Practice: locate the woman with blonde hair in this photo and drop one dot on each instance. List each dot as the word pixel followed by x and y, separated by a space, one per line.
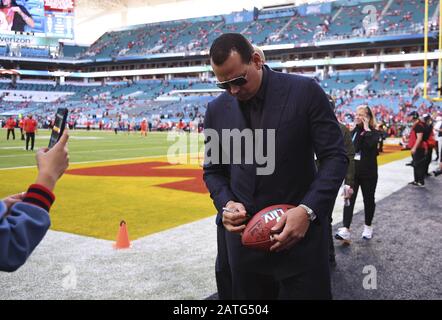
pixel 365 139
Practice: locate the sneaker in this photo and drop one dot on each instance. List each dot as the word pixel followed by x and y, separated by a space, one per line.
pixel 367 233
pixel 416 184
pixel 343 234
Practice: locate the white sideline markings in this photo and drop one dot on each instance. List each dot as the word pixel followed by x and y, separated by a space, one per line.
pixel 98 161
pixel 87 151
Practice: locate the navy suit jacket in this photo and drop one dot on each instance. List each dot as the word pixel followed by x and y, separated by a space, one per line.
pixel 298 109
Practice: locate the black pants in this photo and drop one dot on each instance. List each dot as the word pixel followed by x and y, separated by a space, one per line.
pixel 313 284
pixel 437 150
pixel 30 136
pixel 428 160
pixel 368 186
pixel 419 165
pixel 222 267
pixel 9 132
pixel 22 135
pixel 331 245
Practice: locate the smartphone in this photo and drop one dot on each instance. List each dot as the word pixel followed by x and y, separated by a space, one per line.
pixel 59 125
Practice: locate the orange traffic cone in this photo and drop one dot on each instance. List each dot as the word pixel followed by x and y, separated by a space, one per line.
pixel 122 237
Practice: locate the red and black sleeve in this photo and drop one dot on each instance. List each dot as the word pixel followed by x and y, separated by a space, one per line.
pixel 39 196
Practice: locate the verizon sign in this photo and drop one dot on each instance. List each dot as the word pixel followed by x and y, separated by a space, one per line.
pixel 59 5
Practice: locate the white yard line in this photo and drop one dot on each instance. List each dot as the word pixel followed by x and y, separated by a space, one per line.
pixel 98 161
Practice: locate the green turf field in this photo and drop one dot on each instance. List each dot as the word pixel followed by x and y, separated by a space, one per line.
pixel 86 146
pixel 94 205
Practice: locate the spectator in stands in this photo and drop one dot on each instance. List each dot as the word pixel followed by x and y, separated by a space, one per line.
pixel 365 139
pixel 10 126
pixel 16 15
pixel 30 128
pixel 24 217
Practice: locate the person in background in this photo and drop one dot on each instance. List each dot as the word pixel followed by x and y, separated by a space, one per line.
pixel 10 126
pixel 24 217
pixel 382 136
pixel 438 171
pixel 438 135
pixel 348 182
pixel 115 126
pixel 21 124
pixel 30 127
pixel 260 52
pixel 430 142
pixel 143 127
pixel 365 140
pixel 416 143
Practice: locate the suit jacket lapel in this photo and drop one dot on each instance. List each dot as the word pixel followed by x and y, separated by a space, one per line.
pixel 236 116
pixel 275 101
pixel 274 105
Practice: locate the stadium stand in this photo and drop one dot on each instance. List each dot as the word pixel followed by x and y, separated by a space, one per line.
pixel 184 35
pixel 390 90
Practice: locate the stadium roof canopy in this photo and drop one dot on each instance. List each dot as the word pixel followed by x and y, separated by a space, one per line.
pixel 87 5
pixel 94 17
pixel 118 4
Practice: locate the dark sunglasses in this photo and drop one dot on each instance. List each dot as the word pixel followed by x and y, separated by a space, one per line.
pixel 238 82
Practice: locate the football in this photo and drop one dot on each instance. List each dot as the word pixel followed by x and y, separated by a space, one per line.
pixel 257 232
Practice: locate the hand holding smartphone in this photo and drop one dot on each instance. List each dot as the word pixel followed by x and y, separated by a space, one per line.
pixel 59 125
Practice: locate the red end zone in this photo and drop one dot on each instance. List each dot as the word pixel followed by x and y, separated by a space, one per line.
pixel 150 169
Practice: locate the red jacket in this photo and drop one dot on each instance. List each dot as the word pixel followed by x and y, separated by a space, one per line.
pixel 30 125
pixel 10 124
pixel 413 136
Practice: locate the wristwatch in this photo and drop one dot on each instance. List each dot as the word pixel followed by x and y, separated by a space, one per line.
pixel 310 213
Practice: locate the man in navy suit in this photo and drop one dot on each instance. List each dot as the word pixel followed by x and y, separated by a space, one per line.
pixel 297 109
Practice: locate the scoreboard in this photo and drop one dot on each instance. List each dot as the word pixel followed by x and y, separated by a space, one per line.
pixel 52 19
